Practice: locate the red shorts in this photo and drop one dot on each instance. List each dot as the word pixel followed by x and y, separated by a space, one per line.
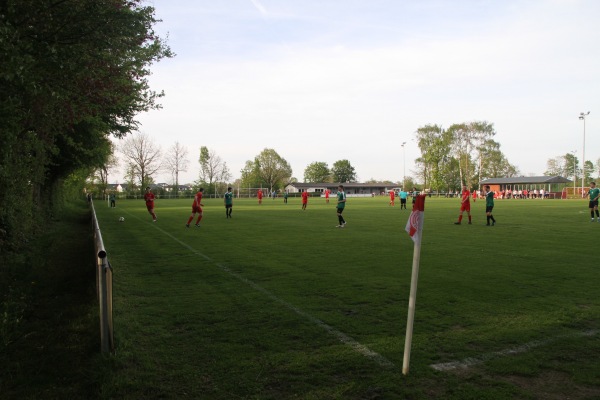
pixel 150 206
pixel 196 209
pixel 465 206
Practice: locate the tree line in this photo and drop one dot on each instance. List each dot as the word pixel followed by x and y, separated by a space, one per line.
pixel 464 153
pixel 73 73
pixel 143 160
pixel 568 166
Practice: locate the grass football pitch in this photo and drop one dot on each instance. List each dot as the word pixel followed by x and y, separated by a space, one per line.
pixel 278 303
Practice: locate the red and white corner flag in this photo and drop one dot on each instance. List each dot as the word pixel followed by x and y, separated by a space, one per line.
pixel 414 227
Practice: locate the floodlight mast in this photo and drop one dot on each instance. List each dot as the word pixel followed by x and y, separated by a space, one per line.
pixel 582 116
pixel 574 172
pixel 404 171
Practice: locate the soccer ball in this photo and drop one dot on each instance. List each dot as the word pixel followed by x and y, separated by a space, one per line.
pixel 121 219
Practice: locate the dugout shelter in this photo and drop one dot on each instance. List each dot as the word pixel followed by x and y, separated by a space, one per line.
pixel 552 185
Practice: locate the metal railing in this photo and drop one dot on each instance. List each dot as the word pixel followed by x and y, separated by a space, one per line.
pixel 103 288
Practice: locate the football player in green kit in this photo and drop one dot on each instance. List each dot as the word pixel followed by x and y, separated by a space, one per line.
pixel 228 201
pixel 594 193
pixel 341 203
pixel 489 205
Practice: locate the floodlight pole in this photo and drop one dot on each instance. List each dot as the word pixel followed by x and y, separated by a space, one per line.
pixel 404 171
pixel 574 172
pixel 582 117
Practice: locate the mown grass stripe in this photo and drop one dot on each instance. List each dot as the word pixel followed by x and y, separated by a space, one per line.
pixel 341 336
pixel 472 361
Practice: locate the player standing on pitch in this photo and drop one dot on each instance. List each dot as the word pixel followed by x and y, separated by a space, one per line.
pixel 149 198
pixel 594 193
pixel 489 205
pixel 196 208
pixel 403 195
pixel 341 203
pixel 228 200
pixel 465 205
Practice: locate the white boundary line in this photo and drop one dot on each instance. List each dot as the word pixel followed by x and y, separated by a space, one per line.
pixel 471 361
pixel 341 336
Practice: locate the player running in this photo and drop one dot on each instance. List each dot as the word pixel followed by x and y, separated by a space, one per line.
pixel 465 205
pixel 305 196
pixel 392 198
pixel 149 198
pixel 196 208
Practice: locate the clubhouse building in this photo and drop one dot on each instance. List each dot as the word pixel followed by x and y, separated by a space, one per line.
pixel 352 189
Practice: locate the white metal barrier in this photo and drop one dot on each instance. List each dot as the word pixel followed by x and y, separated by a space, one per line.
pixel 103 288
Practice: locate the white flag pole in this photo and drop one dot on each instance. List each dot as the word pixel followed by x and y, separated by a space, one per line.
pixel 414 227
pixel 411 307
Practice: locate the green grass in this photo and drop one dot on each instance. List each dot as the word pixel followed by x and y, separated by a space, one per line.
pixel 276 303
pixel 253 307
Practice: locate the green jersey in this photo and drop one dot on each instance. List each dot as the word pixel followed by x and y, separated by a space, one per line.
pixel 594 193
pixel 489 199
pixel 228 198
pixel 341 197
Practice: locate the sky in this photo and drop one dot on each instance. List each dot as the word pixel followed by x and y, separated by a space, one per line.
pixel 328 80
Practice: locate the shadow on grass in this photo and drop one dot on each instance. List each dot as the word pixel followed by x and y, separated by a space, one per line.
pixel 50 351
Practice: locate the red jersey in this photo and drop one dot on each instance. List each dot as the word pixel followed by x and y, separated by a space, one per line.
pixel 197 200
pixel 305 197
pixel 149 197
pixel 327 194
pixel 260 194
pixel 465 204
pixel 392 194
pixel 466 196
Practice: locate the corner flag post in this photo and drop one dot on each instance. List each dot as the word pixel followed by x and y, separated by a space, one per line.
pixel 414 227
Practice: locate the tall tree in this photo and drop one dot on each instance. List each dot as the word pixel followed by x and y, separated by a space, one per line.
pixel 462 145
pixel 469 141
pixel 556 167
pixel 249 175
pixel 343 172
pixel 317 171
pixel 143 156
pixel 483 132
pixel 589 170
pixel 566 165
pixel 130 178
pixel 272 169
pixel 176 161
pixel 435 146
pixel 102 173
pixel 212 168
pixel 493 163
pixel 569 166
pixel 73 72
